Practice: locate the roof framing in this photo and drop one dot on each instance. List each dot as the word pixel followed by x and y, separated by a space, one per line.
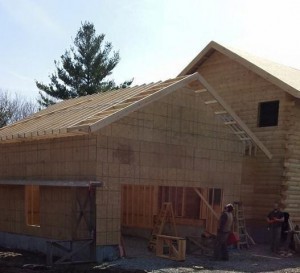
pixel 231 119
pixel 89 114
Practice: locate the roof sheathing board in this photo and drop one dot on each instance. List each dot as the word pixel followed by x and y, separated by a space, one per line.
pixel 285 77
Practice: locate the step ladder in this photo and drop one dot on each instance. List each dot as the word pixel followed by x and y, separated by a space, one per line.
pixel 240 226
pixel 165 215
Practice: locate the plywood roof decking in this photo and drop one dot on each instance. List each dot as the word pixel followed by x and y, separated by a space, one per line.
pixel 285 77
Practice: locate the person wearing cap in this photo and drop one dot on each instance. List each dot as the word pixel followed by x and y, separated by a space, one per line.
pixel 224 228
pixel 275 219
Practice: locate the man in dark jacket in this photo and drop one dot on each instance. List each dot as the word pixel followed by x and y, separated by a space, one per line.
pixel 224 228
pixel 275 219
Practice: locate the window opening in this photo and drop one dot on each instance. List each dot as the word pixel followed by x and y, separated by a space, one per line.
pixel 32 205
pixel 268 113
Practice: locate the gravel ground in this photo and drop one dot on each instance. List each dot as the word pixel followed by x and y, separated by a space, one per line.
pixel 255 259
pixel 138 259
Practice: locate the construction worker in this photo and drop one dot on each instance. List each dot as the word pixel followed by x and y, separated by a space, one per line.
pixel 275 219
pixel 224 228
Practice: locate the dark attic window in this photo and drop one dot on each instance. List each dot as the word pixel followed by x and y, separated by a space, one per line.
pixel 268 113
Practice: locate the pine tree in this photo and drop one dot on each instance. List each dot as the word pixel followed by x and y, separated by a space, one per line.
pixel 83 69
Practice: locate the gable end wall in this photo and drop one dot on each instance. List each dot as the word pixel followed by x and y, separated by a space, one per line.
pixel 175 141
pixel 243 90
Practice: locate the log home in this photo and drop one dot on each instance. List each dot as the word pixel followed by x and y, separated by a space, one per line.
pixel 77 172
pixel 265 95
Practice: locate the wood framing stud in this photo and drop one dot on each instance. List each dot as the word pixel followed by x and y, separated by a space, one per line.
pixel 220 112
pixel 200 91
pixel 230 122
pixel 245 138
pixel 171 247
pixel 206 203
pixel 210 102
pixel 239 132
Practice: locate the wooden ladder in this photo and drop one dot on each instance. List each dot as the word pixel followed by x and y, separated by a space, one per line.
pixel 165 215
pixel 211 98
pixel 240 226
pixel 230 120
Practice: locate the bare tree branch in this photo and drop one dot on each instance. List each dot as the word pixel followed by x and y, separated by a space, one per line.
pixel 14 108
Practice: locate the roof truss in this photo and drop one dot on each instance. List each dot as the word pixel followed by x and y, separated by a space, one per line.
pixel 95 112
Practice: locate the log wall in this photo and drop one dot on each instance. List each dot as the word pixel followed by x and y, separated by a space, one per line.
pixel 291 180
pixel 243 90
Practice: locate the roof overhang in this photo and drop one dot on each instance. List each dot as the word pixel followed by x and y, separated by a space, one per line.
pixel 133 100
pixel 239 128
pixel 51 183
pixel 194 65
pixel 93 117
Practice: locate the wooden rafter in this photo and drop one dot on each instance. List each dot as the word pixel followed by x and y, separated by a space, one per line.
pixel 235 119
pixel 159 93
pixel 86 115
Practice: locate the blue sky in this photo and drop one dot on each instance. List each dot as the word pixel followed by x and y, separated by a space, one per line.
pixel 156 38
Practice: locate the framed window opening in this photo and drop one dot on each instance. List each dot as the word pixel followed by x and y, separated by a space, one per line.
pixel 32 205
pixel 187 204
pixel 141 205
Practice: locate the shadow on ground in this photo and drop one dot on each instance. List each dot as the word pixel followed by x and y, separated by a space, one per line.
pixel 138 259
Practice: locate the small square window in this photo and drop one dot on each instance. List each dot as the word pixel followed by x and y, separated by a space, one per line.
pixel 268 113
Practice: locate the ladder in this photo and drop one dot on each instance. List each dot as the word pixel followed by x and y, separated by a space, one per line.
pixel 165 215
pixel 226 114
pixel 240 226
pixel 249 146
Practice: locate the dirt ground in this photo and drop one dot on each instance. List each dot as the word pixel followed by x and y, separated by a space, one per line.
pixel 138 259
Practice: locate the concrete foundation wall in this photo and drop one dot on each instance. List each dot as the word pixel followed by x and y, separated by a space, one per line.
pixel 20 241
pixel 39 245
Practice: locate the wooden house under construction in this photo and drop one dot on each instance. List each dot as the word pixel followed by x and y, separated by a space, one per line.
pixel 226 129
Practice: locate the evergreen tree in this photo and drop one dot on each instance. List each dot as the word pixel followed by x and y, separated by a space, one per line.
pixel 83 69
